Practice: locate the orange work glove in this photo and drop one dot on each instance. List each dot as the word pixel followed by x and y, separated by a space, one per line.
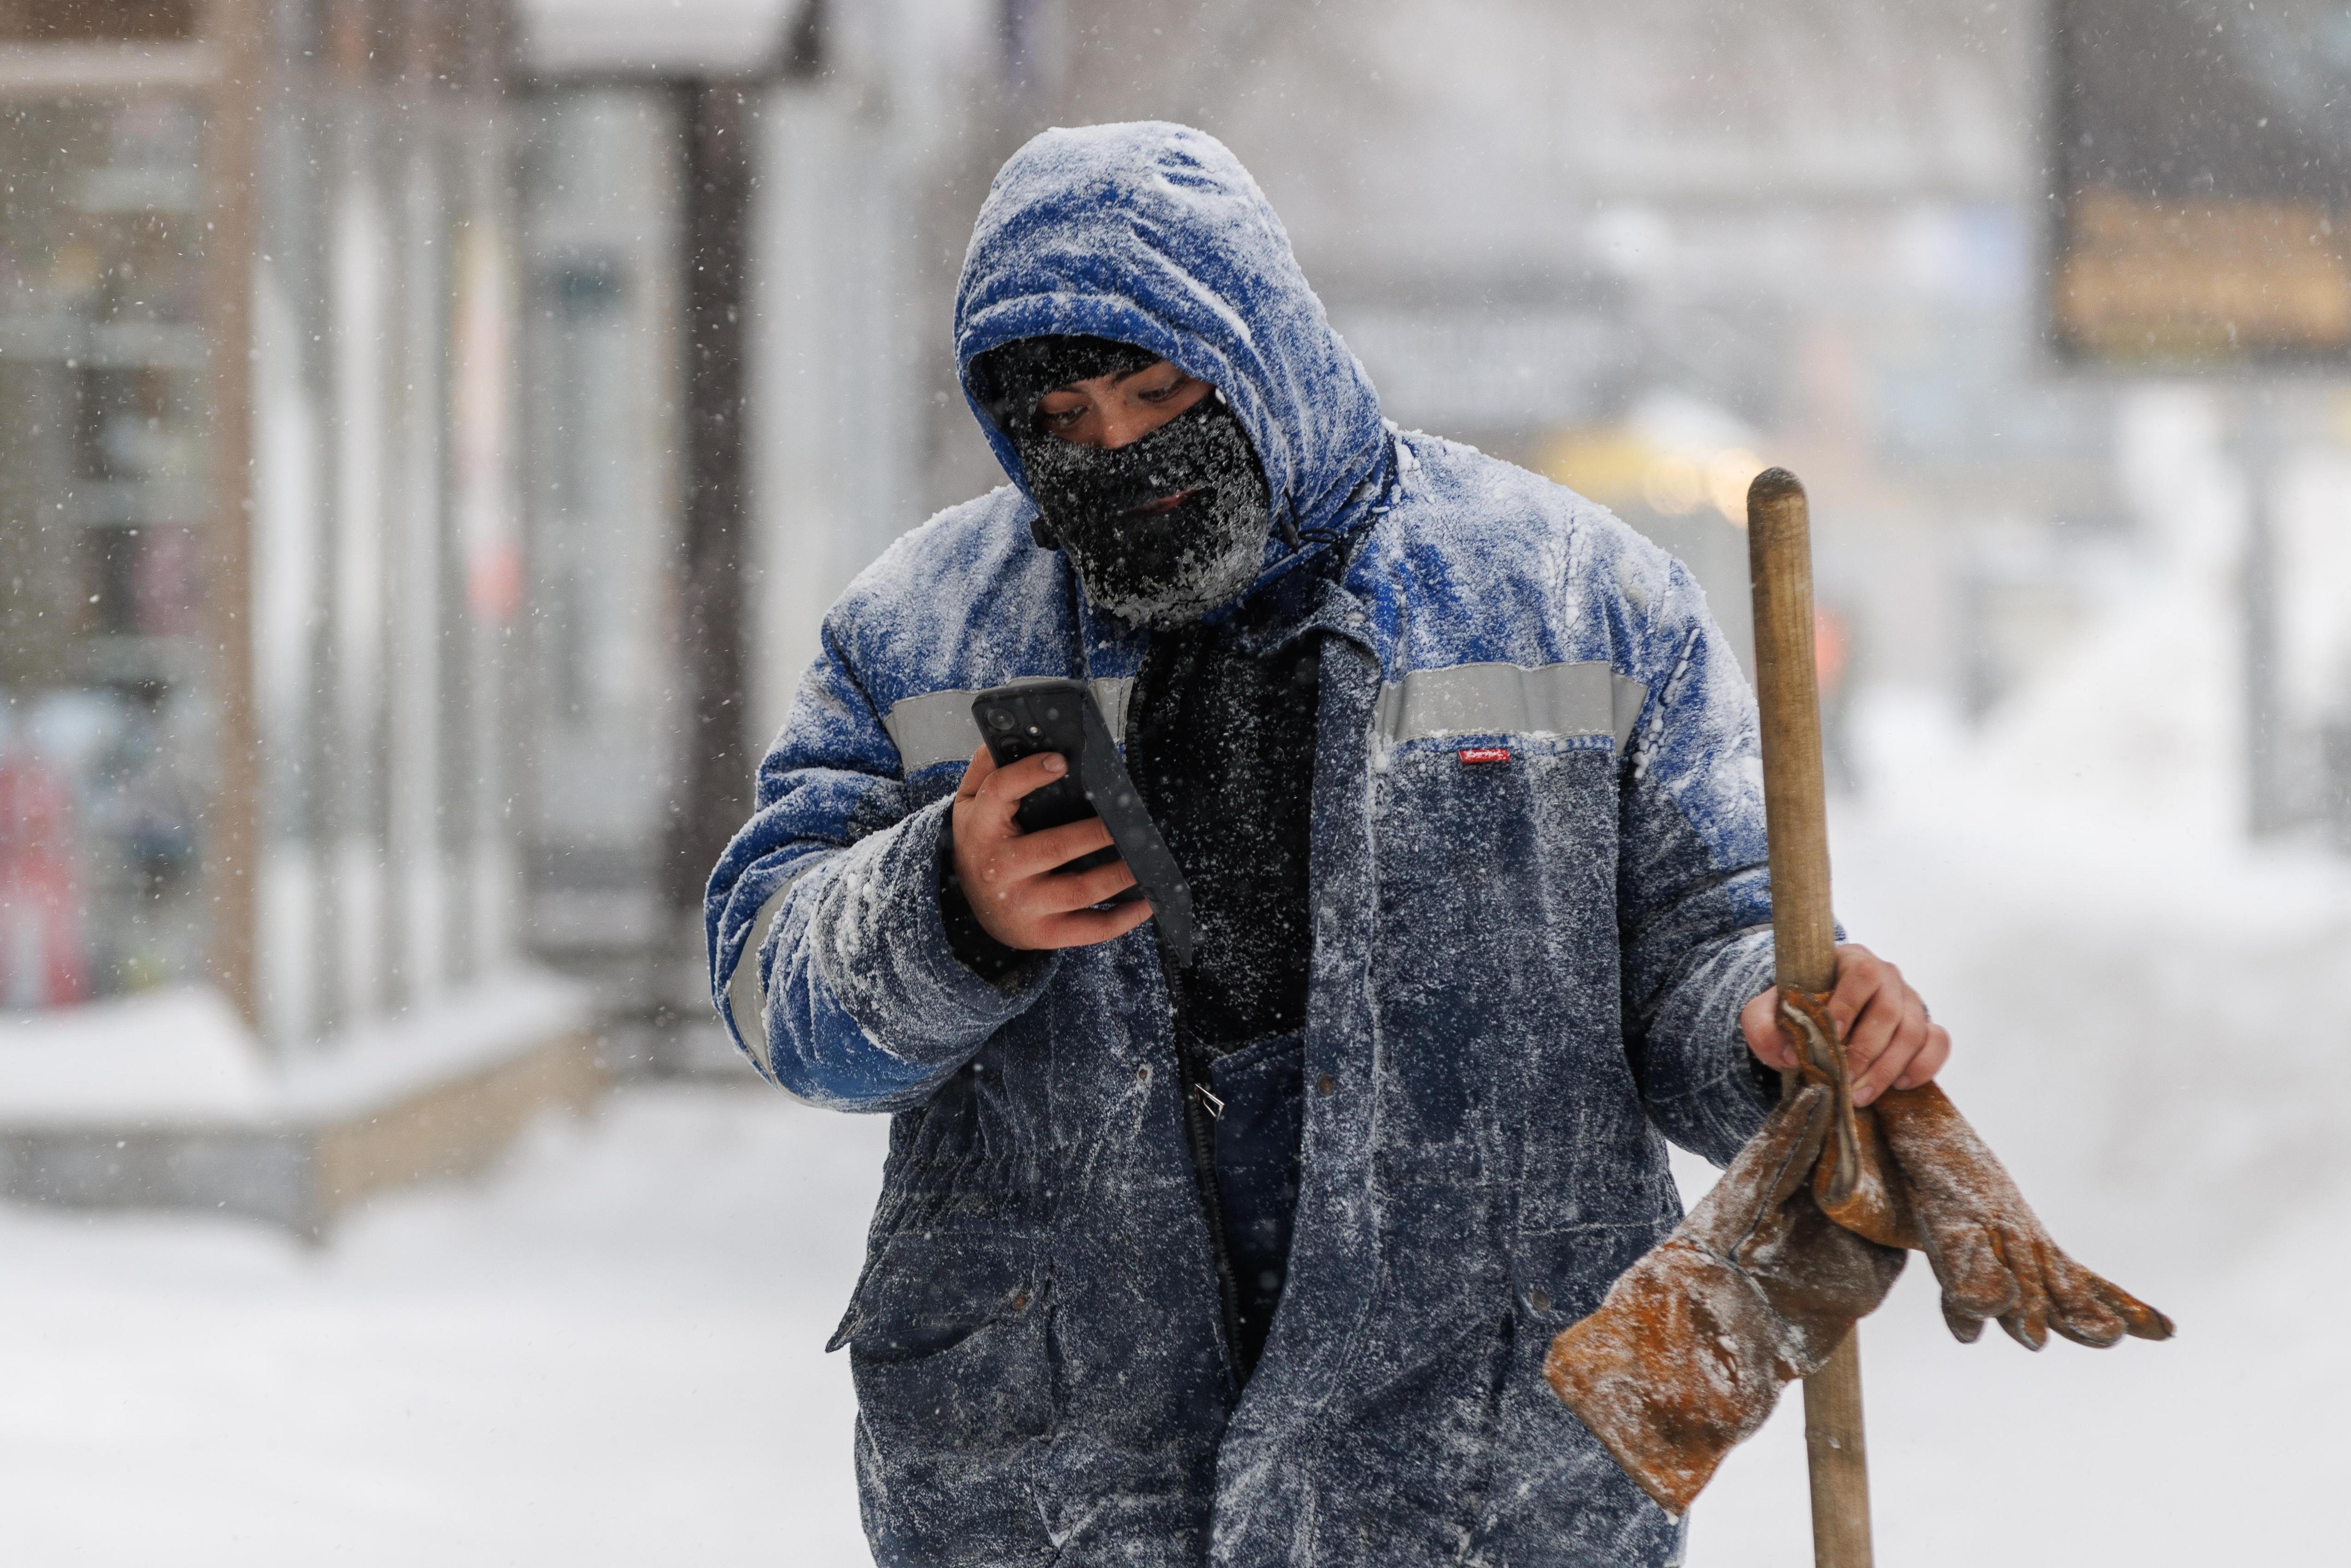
pixel 1686 1356
pixel 1909 1172
pixel 1988 1251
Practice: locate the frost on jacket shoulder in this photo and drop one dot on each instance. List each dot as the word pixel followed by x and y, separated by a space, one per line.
pixel 1486 562
pixel 969 590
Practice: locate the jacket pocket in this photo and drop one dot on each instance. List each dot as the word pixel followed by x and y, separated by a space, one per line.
pixel 947 1341
pixel 1560 1277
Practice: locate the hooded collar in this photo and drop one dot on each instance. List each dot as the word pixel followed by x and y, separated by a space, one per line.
pixel 1153 234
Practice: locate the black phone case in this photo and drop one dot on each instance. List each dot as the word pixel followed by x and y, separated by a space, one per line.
pixel 1022 720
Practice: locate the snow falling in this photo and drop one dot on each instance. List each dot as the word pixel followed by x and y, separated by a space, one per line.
pixel 376 1184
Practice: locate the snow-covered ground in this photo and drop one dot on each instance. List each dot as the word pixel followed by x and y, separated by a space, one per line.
pixel 609 1352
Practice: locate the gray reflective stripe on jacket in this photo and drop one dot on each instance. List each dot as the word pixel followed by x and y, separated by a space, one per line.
pixel 1588 697
pixel 1566 700
pixel 937 727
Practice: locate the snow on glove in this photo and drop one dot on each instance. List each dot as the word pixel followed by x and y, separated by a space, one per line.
pixel 1686 1356
pixel 1987 1247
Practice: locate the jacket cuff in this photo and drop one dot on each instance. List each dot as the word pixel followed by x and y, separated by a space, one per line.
pixel 883 949
pixel 1706 1089
pixel 1751 973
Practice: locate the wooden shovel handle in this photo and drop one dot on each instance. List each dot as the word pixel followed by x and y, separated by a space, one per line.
pixel 1795 803
pixel 1803 934
pixel 1788 698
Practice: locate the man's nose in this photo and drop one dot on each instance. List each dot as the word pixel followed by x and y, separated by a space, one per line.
pixel 1120 426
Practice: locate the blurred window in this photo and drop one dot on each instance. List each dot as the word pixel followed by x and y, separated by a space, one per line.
pixel 104 763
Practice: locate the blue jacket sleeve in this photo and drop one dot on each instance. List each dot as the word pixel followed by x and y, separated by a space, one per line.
pixel 829 963
pixel 1694 895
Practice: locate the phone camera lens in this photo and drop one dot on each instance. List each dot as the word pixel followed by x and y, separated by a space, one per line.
pixel 999 718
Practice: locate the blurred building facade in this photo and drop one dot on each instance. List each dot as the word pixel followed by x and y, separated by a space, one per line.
pixel 265 569
pixel 603 680
pixel 729 209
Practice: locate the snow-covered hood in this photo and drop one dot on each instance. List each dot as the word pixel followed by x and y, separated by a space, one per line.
pixel 1153 234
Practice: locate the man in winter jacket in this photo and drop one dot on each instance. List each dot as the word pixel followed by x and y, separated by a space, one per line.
pixel 1254 1258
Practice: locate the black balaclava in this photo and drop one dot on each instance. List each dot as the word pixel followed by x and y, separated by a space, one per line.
pixel 1160 570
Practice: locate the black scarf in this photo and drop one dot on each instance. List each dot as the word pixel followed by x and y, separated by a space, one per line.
pixel 1161 569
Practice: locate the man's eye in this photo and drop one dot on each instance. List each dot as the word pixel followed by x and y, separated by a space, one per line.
pixel 1161 394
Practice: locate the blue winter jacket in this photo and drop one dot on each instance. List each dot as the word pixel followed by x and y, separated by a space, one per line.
pixel 1539 896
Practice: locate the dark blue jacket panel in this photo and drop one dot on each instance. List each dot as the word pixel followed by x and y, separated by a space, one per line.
pixel 1526 976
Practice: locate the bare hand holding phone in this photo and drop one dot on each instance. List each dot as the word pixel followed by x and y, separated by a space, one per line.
pixel 1014 881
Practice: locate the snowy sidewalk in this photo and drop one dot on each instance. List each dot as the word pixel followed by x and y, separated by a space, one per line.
pixel 609 1355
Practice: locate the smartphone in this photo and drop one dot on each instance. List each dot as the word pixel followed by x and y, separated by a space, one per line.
pixel 1022 720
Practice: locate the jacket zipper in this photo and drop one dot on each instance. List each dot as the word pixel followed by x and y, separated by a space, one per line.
pixel 1202 1109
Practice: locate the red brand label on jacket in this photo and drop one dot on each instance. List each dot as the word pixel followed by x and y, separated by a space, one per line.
pixel 1470 753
